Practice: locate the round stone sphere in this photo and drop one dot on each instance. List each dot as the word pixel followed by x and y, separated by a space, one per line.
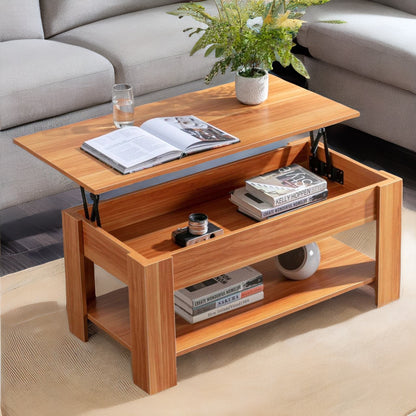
pixel 300 263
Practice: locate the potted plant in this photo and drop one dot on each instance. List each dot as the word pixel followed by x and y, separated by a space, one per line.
pixel 247 36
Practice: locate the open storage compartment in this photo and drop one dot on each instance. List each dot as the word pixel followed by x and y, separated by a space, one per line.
pixel 143 223
pixel 139 226
pixel 342 269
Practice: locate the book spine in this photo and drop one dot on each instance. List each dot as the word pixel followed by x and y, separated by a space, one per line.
pixel 218 311
pixel 280 200
pixel 194 303
pixel 220 302
pixel 294 204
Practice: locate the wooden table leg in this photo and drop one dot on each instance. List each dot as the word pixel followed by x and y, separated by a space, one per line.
pixel 79 274
pixel 152 324
pixel 388 250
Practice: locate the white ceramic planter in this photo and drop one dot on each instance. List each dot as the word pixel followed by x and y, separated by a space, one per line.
pixel 252 91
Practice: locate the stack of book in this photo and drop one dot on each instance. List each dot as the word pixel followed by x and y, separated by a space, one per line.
pixel 219 295
pixel 279 191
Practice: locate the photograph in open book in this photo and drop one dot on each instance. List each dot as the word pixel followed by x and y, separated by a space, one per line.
pixel 199 129
pixel 188 133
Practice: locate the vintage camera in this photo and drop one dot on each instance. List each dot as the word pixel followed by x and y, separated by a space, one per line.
pixel 198 229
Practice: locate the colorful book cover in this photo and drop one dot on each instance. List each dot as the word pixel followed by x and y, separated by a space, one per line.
pixel 220 286
pixel 260 210
pixel 218 311
pixel 285 184
pixel 220 302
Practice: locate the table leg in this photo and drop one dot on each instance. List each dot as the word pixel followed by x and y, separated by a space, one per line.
pixel 79 274
pixel 388 250
pixel 152 324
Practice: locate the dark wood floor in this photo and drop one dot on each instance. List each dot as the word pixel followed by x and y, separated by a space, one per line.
pixel 31 233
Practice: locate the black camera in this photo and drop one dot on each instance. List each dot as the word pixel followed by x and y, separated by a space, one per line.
pixel 199 229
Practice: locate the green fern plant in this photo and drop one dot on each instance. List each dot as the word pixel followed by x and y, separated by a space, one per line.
pixel 248 34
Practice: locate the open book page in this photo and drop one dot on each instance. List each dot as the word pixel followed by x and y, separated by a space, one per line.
pixel 131 148
pixel 188 133
pixel 158 140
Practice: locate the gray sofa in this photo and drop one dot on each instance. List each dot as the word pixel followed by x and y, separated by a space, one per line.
pixel 59 60
pixel 368 63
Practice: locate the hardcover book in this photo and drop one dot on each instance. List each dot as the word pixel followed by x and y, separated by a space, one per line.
pixel 156 141
pixel 220 286
pixel 286 184
pixel 214 312
pixel 260 210
pixel 220 302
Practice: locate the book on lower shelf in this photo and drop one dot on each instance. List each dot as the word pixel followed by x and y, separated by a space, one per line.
pixel 219 287
pixel 220 294
pixel 261 210
pixel 156 141
pixel 226 300
pixel 220 310
pixel 286 184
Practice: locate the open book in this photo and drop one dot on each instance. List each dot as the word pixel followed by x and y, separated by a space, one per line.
pixel 156 141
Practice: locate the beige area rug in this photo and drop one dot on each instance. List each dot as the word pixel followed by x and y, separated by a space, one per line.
pixel 342 357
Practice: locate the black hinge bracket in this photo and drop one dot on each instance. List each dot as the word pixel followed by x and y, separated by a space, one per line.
pixel 95 214
pixel 320 167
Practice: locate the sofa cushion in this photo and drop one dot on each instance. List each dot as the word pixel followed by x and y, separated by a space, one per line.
pixel 385 111
pixel 61 15
pixel 20 19
pixel 408 6
pixel 376 41
pixel 45 78
pixel 148 49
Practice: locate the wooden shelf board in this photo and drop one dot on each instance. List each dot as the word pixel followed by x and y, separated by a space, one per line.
pixel 288 111
pixel 110 312
pixel 342 269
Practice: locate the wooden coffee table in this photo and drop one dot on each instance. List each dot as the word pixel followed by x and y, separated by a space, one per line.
pixel 130 235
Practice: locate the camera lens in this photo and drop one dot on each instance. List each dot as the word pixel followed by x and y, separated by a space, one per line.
pixel 198 224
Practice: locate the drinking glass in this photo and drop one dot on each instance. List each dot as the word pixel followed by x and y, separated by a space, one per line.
pixel 123 105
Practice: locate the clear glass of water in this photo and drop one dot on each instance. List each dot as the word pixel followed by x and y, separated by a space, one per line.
pixel 123 105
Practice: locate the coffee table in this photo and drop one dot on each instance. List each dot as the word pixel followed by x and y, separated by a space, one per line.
pixel 130 235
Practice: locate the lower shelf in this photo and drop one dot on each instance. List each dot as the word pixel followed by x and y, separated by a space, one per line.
pixel 342 269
